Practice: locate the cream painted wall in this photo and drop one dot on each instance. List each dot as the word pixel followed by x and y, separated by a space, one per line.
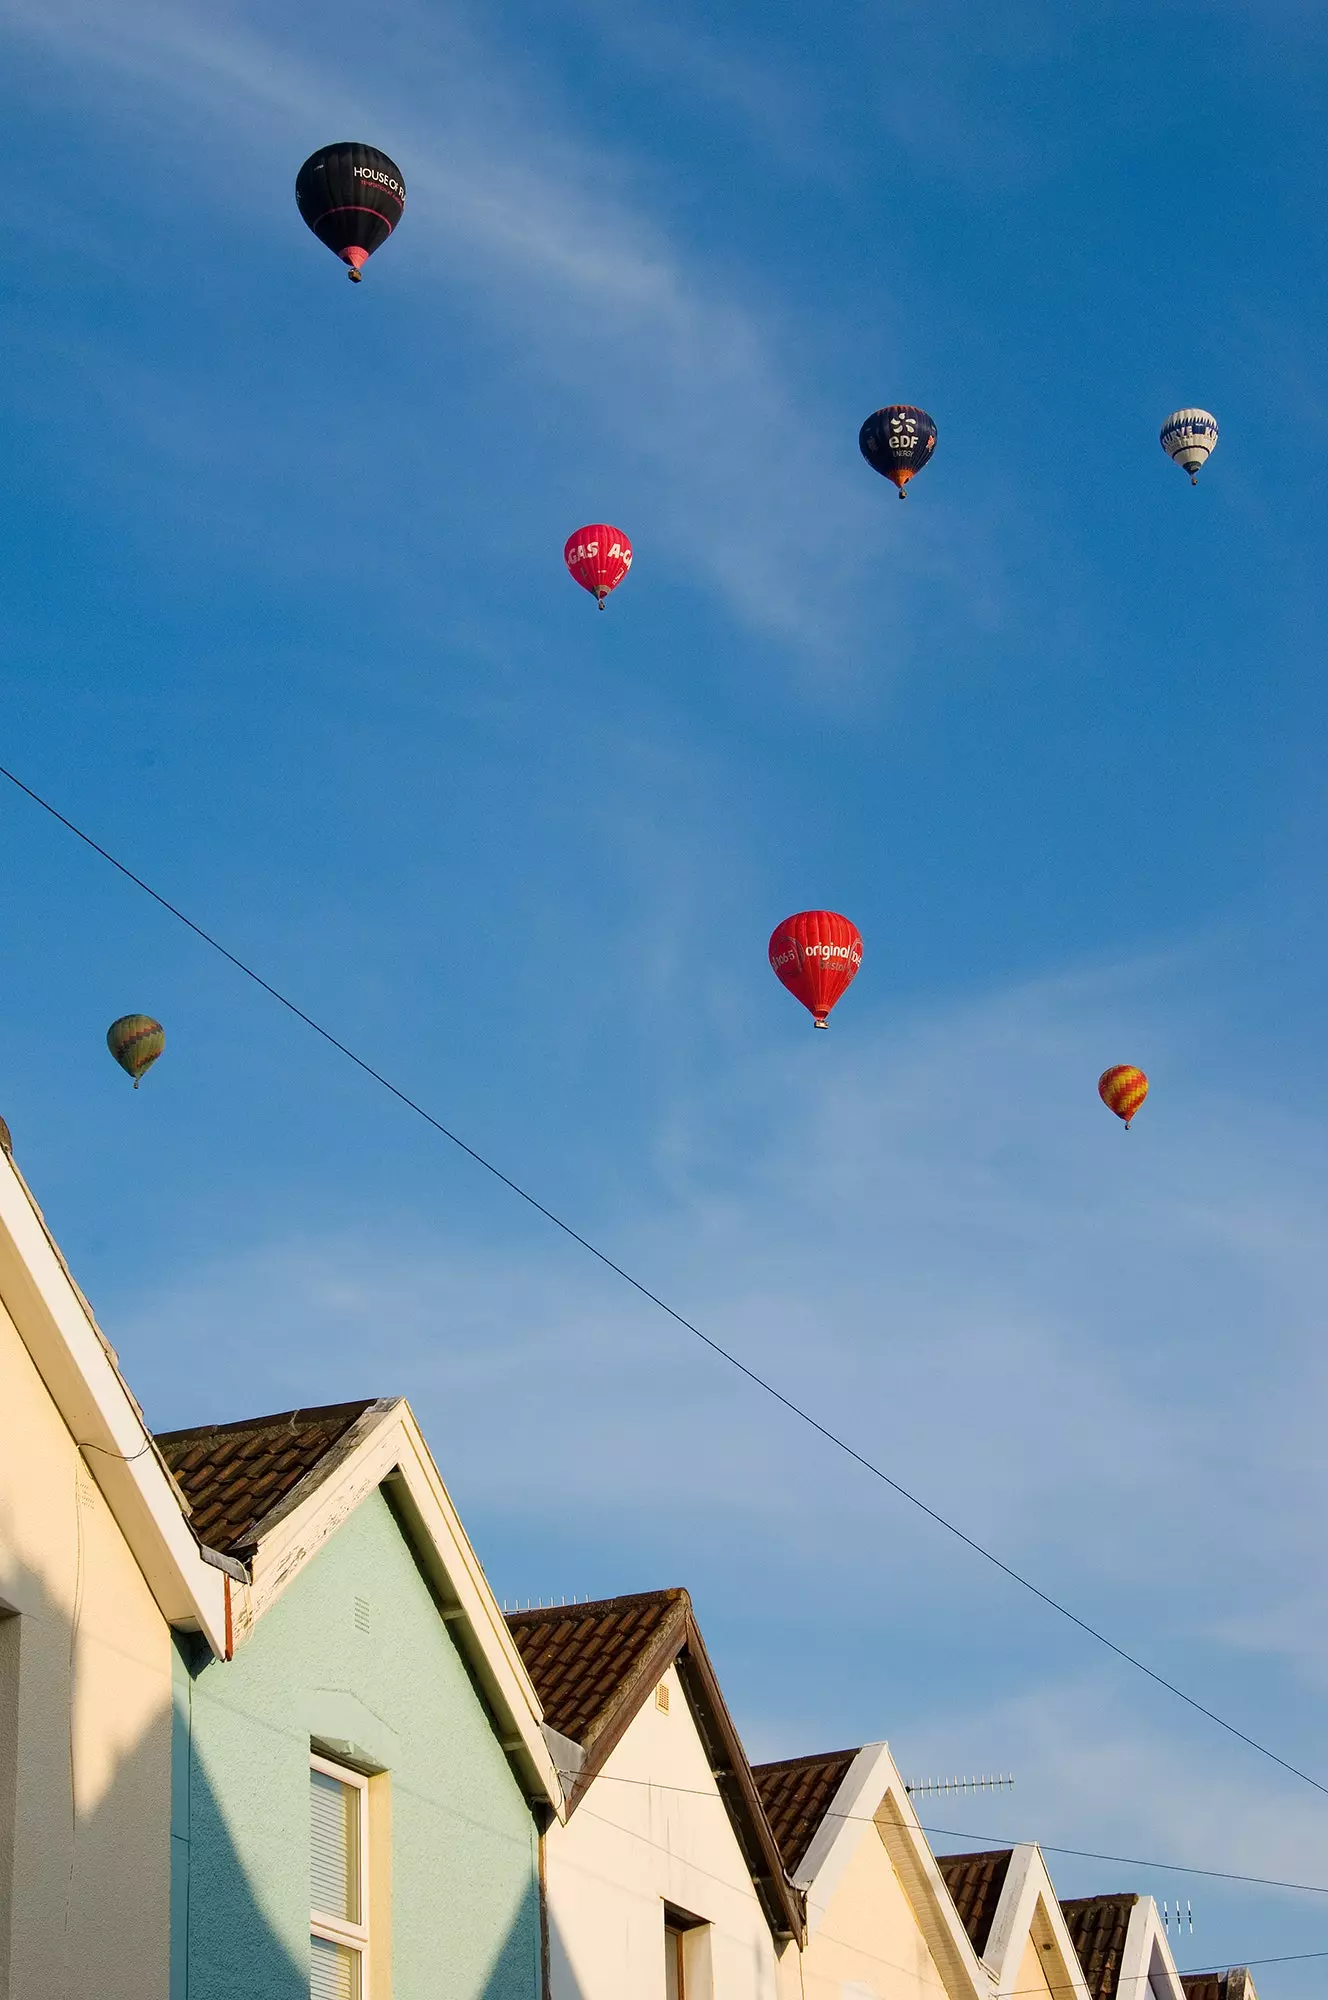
pixel 651 1830
pixel 868 1944
pixel 84 1839
pixel 1032 1974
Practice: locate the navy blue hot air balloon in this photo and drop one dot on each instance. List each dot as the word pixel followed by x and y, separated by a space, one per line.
pixel 352 197
pixel 897 441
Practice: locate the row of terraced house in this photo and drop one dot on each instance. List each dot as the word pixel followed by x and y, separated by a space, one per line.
pixel 265 1733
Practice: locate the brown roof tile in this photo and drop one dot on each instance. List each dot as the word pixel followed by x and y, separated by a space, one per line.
pixel 581 1656
pixel 796 1795
pixel 1233 1984
pixel 975 1882
pixel 593 1667
pixel 1098 1925
pixel 233 1475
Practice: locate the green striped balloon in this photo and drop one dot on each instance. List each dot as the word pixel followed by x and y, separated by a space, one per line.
pixel 136 1040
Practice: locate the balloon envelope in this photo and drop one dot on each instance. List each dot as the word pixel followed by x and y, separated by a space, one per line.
pixel 1189 439
pixel 816 954
pixel 136 1040
pixel 897 441
pixel 599 557
pixel 352 197
pixel 1123 1089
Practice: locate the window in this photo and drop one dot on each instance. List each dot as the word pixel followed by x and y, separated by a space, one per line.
pixel 675 1986
pixel 338 1882
pixel 687 1966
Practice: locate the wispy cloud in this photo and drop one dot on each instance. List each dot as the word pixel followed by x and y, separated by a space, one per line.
pixel 1044 1326
pixel 674 367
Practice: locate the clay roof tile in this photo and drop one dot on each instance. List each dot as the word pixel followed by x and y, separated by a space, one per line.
pixel 582 1656
pixel 1098 1925
pixel 796 1795
pixel 975 1882
pixel 233 1475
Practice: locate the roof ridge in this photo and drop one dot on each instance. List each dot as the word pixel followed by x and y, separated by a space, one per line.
pixel 1107 1896
pixel 315 1413
pixel 809 1757
pixel 589 1607
pixel 978 1854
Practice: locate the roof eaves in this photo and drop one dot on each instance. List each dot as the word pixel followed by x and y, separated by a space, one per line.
pixel 81 1372
pixel 785 1906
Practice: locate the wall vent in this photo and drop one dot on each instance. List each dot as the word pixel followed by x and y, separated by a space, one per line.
pixel 361 1614
pixel 662 1697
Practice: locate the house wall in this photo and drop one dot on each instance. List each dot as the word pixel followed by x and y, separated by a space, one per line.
pixel 1032 1974
pixel 85 1705
pixel 653 1830
pixel 396 1699
pixel 867 1945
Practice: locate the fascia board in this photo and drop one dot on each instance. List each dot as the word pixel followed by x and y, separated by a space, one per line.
pixel 390 1452
pixel 1145 1942
pixel 76 1363
pixel 1014 1915
pixel 1028 1891
pixel 846 1819
pixel 964 1974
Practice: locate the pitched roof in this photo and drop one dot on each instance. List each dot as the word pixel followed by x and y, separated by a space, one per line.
pixel 235 1475
pixel 593 1667
pixel 1098 1924
pixel 797 1794
pixel 584 1657
pixel 975 1882
pixel 1233 1984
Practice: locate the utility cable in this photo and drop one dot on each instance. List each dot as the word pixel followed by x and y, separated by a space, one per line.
pixel 724 1354
pixel 997 1839
pixel 1048 1986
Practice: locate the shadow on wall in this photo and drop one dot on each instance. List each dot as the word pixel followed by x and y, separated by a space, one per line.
pixel 228 1946
pixel 196 1820
pixel 98 1904
pixel 88 1899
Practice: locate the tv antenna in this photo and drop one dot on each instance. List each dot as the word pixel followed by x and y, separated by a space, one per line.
pixel 918 1788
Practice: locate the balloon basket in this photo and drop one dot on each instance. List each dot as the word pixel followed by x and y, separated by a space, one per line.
pixel 820 1024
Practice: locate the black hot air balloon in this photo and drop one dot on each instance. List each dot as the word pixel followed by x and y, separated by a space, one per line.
pixel 352 198
pixel 898 441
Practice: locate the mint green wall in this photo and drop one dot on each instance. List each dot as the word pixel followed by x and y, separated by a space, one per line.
pixel 465 1917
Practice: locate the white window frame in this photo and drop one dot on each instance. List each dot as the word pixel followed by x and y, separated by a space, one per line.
pixel 336 1929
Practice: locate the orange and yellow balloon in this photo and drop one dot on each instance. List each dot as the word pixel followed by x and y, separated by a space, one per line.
pixel 1123 1089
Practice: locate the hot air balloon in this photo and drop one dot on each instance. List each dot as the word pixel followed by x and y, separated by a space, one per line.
pixel 898 441
pixel 1123 1089
pixel 136 1040
pixel 599 557
pixel 816 955
pixel 352 198
pixel 1189 439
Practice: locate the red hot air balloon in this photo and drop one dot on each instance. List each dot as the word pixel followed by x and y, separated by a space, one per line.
pixel 816 955
pixel 599 557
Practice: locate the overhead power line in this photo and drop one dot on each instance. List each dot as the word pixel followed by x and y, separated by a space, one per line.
pixel 999 1839
pixel 602 1257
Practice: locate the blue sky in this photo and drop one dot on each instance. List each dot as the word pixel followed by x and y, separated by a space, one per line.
pixel 286 627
